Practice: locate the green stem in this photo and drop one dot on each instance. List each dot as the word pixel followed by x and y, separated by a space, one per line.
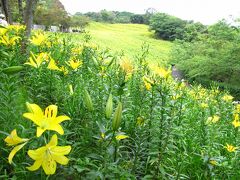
pixel 50 85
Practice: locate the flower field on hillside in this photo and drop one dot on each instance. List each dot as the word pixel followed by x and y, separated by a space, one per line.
pixel 71 110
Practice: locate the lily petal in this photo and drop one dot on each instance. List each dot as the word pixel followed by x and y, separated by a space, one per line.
pixel 14 151
pixel 36 165
pixel 57 127
pixel 60 159
pixel 53 141
pixel 35 114
pixel 37 154
pixel 40 131
pixel 34 108
pixel 51 111
pixel 49 165
pixel 60 119
pixel 61 150
pixel 31 117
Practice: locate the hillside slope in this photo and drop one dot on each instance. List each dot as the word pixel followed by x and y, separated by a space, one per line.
pixel 129 38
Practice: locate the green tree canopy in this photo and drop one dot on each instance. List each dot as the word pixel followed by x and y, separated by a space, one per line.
pixel 213 57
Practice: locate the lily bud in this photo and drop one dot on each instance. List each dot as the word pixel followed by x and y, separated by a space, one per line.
pixel 117 117
pixel 109 106
pixel 87 100
pixel 12 69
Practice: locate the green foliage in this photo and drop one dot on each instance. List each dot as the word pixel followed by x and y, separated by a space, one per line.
pixel 137 19
pixel 169 27
pixel 51 13
pixel 213 57
pixel 80 21
pixel 123 17
pixel 107 16
pixel 120 17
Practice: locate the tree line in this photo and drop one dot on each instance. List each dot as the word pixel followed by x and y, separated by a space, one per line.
pixel 120 17
pixel 52 12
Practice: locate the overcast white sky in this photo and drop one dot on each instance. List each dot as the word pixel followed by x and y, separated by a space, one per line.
pixel 205 11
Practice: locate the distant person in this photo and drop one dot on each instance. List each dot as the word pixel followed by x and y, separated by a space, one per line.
pixel 3 22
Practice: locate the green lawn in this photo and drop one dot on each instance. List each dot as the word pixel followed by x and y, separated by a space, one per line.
pixel 129 38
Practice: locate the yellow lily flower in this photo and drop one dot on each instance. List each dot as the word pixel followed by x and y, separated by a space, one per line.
pixel 127 66
pixel 148 86
pixel 7 41
pixel 47 120
pixel 48 156
pixel 147 82
pixel 103 135
pixel 213 162
pixel 227 98
pixel 236 117
pixel 230 148
pixel 53 66
pixel 36 61
pixel 204 105
pixel 74 64
pixel 64 70
pixel 13 140
pixel 16 28
pixel 39 38
pixel 161 72
pixel 121 136
pixel 236 122
pixel 3 31
pixel 213 119
pixel 237 108
pixel 77 50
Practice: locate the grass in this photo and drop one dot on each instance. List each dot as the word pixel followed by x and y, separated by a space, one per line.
pixel 129 39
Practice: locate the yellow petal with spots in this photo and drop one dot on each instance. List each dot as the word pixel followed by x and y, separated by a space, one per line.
pixel 49 165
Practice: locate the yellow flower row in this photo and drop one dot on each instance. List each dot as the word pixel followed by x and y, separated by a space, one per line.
pixel 37 60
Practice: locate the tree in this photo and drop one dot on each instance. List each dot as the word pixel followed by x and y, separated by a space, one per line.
pixel 167 27
pixel 6 10
pixel 94 16
pixel 28 19
pixel 192 30
pixel 80 21
pixel 20 9
pixel 52 12
pixel 137 19
pixel 123 17
pixel 148 14
pixel 107 16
